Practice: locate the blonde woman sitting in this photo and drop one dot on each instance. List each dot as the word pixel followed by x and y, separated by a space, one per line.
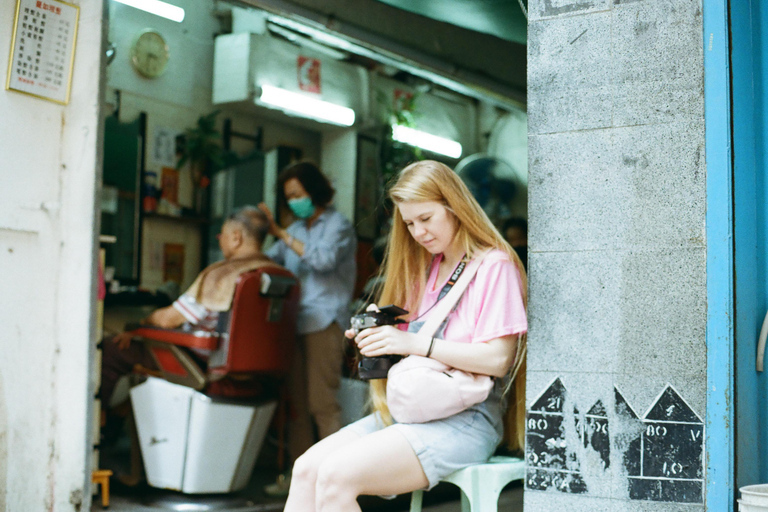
pixel 437 224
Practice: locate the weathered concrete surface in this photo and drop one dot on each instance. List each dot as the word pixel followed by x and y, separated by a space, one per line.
pixel 617 205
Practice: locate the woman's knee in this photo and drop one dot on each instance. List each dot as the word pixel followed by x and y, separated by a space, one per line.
pixel 334 481
pixel 305 468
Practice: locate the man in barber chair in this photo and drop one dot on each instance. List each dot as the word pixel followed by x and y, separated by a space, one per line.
pixel 241 239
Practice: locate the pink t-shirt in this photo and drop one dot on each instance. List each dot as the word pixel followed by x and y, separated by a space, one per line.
pixel 492 304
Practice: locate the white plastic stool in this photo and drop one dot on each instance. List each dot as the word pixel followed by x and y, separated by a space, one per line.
pixel 480 484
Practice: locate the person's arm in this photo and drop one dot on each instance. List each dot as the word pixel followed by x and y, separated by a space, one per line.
pixel 290 242
pixel 276 252
pixel 494 357
pixel 168 318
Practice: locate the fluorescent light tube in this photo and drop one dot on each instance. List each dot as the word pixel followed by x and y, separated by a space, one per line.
pixel 305 106
pixel 158 8
pixel 426 141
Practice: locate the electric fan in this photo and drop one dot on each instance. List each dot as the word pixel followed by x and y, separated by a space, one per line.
pixel 492 181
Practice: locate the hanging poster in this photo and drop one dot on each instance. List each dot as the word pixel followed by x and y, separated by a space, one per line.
pixel 163 147
pixel 43 49
pixel 170 185
pixel 173 263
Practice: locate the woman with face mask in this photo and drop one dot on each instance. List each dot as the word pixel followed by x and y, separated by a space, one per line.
pixel 319 248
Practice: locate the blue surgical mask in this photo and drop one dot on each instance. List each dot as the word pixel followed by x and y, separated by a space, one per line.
pixel 302 207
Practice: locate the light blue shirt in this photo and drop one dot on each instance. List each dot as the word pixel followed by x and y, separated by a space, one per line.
pixel 327 270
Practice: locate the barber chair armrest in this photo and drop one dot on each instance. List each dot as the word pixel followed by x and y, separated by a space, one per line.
pixel 205 340
pixel 140 369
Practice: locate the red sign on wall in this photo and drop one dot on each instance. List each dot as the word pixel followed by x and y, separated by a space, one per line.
pixel 308 71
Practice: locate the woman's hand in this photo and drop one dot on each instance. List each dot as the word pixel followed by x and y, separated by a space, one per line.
pixel 350 333
pixel 387 339
pixel 274 229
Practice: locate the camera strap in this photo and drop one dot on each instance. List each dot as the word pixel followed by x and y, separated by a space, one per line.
pixel 452 280
pixel 461 278
pixel 447 287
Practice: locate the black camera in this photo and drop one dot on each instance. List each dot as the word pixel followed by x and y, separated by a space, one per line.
pixel 377 367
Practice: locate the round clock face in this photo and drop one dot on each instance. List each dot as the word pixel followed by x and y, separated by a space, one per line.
pixel 149 54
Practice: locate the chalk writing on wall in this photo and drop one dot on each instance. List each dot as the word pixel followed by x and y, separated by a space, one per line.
pixel 550 464
pixel 662 453
pixel 672 453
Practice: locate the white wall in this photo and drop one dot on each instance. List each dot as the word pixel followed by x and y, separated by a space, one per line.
pixel 187 78
pixel 339 163
pixel 446 114
pixel 47 253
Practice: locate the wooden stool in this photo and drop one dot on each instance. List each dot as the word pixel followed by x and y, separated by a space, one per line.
pixel 101 477
pixel 480 484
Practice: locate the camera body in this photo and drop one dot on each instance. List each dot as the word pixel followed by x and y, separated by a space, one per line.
pixel 377 367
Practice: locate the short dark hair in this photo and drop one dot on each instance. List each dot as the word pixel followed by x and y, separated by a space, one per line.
pixel 253 222
pixel 314 182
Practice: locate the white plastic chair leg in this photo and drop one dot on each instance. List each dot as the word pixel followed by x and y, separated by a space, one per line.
pixel 481 500
pixel 466 506
pixel 416 499
pixel 480 485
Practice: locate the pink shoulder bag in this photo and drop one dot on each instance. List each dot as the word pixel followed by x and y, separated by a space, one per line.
pixel 421 389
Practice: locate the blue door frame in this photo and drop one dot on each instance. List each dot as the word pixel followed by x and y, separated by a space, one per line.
pixel 720 474
pixel 736 94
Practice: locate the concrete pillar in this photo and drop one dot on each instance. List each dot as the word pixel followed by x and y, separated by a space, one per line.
pixel 616 386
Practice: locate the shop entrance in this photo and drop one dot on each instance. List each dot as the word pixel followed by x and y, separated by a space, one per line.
pixel 218 70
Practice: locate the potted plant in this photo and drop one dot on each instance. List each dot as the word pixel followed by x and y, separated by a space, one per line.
pixel 201 147
pixel 396 155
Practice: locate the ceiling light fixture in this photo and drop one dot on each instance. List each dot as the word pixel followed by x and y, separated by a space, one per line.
pixel 426 141
pixel 295 103
pixel 158 8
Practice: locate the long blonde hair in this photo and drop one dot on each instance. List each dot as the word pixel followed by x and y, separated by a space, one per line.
pixel 406 261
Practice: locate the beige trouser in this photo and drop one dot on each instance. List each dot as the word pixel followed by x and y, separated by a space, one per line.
pixel 312 387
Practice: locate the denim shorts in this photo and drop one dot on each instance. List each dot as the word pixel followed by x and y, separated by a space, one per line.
pixel 447 445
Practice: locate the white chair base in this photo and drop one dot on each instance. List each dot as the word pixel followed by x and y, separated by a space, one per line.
pixel 194 444
pixel 480 484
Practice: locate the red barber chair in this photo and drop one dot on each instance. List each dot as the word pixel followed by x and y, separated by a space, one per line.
pixel 200 430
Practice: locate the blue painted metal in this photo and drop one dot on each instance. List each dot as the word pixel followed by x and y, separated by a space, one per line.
pixel 758 441
pixel 747 289
pixel 749 37
pixel 720 329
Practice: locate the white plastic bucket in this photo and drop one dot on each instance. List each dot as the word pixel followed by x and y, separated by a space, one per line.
pixel 754 498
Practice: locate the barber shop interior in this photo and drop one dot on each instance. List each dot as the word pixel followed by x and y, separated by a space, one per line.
pixel 208 105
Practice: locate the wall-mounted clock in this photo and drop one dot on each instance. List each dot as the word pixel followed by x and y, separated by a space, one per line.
pixel 149 53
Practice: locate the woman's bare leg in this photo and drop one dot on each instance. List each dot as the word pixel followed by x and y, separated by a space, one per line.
pixel 301 496
pixel 381 463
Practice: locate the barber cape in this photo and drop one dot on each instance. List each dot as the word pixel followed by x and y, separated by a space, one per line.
pixel 214 288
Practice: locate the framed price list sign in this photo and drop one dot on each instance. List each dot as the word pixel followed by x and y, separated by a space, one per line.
pixel 43 49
